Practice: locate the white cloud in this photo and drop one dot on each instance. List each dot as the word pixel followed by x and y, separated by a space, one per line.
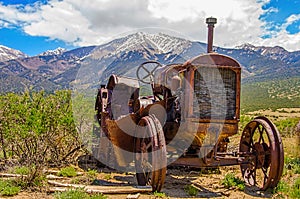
pixel 93 22
pixel 291 19
pixel 284 38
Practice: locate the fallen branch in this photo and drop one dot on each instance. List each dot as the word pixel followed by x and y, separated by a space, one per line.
pixel 55 172
pixel 12 175
pixel 99 189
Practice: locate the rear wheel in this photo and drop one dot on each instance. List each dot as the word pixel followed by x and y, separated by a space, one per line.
pixel 150 153
pixel 262 144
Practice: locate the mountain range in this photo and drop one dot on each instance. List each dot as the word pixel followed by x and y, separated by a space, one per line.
pixel 60 68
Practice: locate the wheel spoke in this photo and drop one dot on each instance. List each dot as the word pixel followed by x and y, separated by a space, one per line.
pixel 148 146
pixel 265 171
pixel 148 75
pixel 143 67
pixel 254 177
pixel 147 163
pixel 265 147
pixel 252 143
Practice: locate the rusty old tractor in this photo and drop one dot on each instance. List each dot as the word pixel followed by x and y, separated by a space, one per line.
pixel 187 120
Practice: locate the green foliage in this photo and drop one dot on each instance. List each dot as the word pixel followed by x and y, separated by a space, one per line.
pixel 37 128
pixel 293 164
pixel 71 194
pixel 31 176
pixel 231 181
pixel 67 172
pixel 108 177
pixel 159 194
pixel 244 120
pixel 87 178
pixel 22 170
pixel 191 190
pixel 273 94
pixel 98 196
pixel 282 187
pixel 287 127
pixel 8 188
pixel 293 191
pixel 92 174
pixel 76 194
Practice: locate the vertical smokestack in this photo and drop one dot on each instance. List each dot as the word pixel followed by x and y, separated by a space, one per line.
pixel 211 21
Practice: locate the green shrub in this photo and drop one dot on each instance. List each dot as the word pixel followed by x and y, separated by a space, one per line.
pixel 108 177
pixel 231 181
pixel 281 188
pixel 10 191
pixel 71 194
pixel 92 174
pixel 8 188
pixel 78 193
pixel 98 196
pixel 159 194
pixel 191 190
pixel 22 170
pixel 295 189
pixel 38 128
pixel 288 191
pixel 67 172
pixel 293 164
pixel 287 127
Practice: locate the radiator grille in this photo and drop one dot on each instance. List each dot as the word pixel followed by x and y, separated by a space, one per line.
pixel 214 93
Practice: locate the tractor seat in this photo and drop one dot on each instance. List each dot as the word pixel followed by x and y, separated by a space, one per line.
pixel 122 96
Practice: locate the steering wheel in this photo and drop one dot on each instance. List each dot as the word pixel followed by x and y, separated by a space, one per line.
pixel 145 71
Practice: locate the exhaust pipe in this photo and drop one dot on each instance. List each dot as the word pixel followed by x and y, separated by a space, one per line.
pixel 211 21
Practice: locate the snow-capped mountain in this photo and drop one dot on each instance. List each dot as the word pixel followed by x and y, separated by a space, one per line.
pixel 123 56
pixel 9 53
pixel 149 44
pixel 276 52
pixel 58 69
pixel 57 51
pixel 157 43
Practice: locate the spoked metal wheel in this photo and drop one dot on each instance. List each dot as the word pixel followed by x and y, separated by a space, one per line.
pixel 150 153
pixel 262 146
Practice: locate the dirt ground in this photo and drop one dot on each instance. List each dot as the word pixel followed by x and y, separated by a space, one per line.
pixel 208 184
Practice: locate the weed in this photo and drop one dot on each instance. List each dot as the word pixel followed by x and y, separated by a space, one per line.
pixel 284 190
pixel 8 188
pixel 107 177
pixel 67 172
pixel 98 196
pixel 281 188
pixel 159 194
pixel 23 170
pixel 191 190
pixel 71 194
pixel 293 164
pixel 10 191
pixel 92 174
pixel 76 194
pixel 231 181
pixel 295 189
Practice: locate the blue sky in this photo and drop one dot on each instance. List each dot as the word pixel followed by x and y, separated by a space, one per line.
pixel 36 26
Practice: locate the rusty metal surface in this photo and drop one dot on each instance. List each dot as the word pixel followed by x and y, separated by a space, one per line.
pixel 210 24
pixel 151 154
pixel 123 110
pixel 261 140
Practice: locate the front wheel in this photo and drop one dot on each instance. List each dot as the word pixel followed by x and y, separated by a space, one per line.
pixel 265 158
pixel 150 153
